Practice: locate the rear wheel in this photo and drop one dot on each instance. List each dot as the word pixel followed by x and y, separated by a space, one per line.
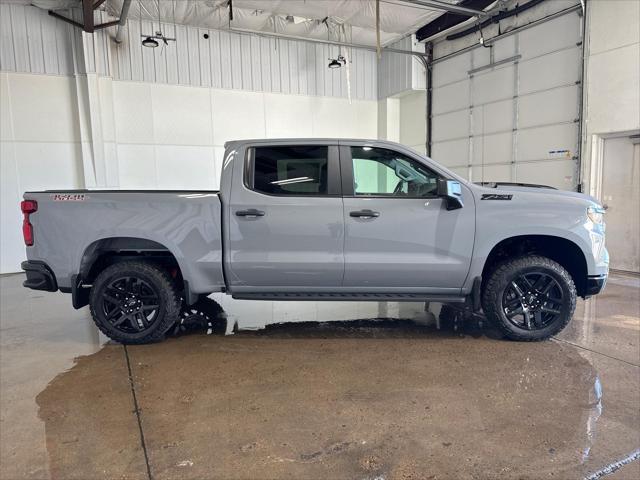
pixel 529 298
pixel 134 302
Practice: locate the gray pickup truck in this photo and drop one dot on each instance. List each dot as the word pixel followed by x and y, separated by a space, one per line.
pixel 319 219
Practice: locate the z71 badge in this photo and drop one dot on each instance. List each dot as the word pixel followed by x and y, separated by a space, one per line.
pixel 496 196
pixel 68 197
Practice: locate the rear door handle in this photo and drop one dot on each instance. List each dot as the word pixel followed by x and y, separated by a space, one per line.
pixel 364 214
pixel 252 212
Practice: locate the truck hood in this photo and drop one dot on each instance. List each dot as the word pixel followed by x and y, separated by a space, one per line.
pixel 534 189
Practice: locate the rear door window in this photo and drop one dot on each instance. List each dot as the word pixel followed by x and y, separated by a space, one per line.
pixel 290 170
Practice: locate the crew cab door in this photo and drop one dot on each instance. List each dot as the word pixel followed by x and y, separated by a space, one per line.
pixel 285 219
pixel 398 232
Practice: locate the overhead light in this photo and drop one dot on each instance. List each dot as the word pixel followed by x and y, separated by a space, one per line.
pixel 149 42
pixel 337 62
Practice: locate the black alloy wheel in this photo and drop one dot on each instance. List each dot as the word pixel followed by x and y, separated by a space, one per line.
pixel 130 304
pixel 134 302
pixel 533 300
pixel 529 298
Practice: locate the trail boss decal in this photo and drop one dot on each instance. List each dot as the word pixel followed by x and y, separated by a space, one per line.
pixel 496 196
pixel 68 197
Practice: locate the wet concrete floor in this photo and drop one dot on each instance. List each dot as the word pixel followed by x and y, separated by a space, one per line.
pixel 380 394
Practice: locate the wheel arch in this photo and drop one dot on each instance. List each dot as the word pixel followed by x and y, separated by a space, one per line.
pixel 561 250
pixel 106 251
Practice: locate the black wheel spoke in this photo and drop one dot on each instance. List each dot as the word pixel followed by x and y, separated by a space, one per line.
pixel 513 313
pixel 111 299
pixel 130 304
pixel 550 310
pixel 517 289
pixel 537 319
pixel 120 320
pixel 532 300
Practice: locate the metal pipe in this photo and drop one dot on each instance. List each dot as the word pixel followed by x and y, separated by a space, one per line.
pixel 446 7
pixel 317 40
pixel 429 113
pixel 123 20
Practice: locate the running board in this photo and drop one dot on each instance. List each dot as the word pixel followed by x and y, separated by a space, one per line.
pixel 360 297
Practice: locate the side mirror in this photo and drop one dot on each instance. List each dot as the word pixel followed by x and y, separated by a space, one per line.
pixel 451 190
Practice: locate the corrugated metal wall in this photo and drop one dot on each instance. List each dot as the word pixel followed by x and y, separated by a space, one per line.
pixel 394 71
pixel 34 42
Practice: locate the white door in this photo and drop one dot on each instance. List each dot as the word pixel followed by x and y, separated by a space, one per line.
pixel 621 196
pixel 511 113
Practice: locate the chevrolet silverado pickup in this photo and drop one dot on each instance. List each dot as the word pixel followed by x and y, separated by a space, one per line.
pixel 319 219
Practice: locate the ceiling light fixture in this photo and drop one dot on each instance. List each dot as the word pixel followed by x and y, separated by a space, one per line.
pixel 337 62
pixel 149 42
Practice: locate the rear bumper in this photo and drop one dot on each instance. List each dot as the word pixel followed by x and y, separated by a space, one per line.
pixel 39 276
pixel 595 284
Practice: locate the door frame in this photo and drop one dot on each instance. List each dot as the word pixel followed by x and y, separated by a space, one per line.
pixel 596 162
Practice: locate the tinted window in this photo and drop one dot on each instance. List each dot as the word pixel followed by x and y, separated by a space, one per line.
pixel 296 170
pixel 378 171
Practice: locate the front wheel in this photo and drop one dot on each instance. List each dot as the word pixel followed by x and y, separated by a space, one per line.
pixel 134 302
pixel 529 298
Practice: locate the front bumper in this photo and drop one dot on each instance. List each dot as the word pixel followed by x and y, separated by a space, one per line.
pixel 39 276
pixel 595 284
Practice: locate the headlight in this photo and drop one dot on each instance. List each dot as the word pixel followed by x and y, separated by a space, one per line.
pixel 596 214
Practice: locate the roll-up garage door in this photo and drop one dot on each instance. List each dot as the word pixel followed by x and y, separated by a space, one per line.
pixel 511 113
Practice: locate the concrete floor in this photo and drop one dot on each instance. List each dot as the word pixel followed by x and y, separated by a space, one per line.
pixel 361 399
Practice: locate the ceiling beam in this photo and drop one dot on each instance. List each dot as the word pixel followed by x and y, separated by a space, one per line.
pixel 88 8
pixel 459 9
pixel 450 19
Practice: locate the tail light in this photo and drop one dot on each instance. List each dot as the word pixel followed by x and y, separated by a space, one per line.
pixel 28 207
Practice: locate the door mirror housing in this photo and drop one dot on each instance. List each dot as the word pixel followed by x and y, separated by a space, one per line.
pixel 451 191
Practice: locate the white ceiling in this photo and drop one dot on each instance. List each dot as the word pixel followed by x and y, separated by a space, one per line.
pixel 343 20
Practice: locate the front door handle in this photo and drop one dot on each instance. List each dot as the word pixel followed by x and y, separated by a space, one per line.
pixel 252 212
pixel 364 214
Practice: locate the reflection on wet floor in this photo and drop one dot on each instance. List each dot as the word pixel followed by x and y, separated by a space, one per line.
pixel 318 390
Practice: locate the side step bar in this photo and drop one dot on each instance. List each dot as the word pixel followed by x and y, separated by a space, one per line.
pixel 360 297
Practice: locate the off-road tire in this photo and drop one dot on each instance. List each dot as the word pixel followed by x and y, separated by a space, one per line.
pixel 502 275
pixel 169 301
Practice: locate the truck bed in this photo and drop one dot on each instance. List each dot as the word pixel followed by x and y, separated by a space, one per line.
pixel 73 226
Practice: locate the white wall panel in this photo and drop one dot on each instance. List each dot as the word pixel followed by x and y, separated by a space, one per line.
pixel 492 173
pixel 452 96
pixel 492 85
pixel 537 143
pixel 6 123
pixel 558 173
pixel 451 125
pixel 49 164
pixel 12 251
pixel 552 106
pixel 178 166
pixel 560 68
pixel 492 148
pixel 413 121
pixel 451 153
pixel 493 117
pixel 288 115
pixel 237 115
pixel 44 108
pixel 452 70
pixel 137 166
pixel 181 116
pixel 133 112
pixel 560 32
